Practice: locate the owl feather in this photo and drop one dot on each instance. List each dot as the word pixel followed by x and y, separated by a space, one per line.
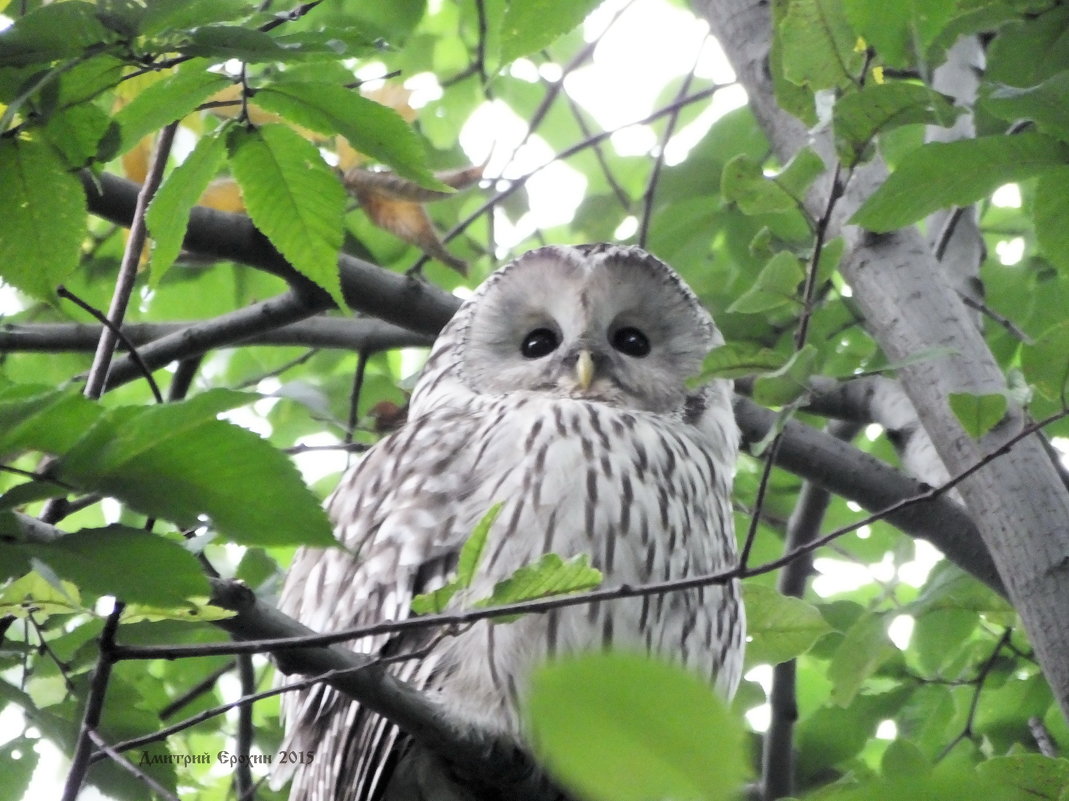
pixel 559 392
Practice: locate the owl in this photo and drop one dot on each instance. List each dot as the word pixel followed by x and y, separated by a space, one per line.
pixel 559 392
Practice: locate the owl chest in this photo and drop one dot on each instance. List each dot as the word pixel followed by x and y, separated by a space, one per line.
pixel 578 479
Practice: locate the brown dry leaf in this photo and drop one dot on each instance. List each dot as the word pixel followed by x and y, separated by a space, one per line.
pixel 395 204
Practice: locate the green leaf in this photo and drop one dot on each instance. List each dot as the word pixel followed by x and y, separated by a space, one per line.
pixel 372 128
pixel 1044 104
pixel 978 414
pixel 472 552
pixel 776 285
pixel 177 462
pixel 744 182
pixel 51 32
pixel 788 383
pixel 1033 775
pixel 467 564
pixel 294 198
pixel 941 174
pixel 33 593
pixel 161 15
pixel 859 116
pixel 530 25
pixel 1046 362
pixel 864 648
pixel 900 31
pixel 42 418
pixel 234 41
pixel 550 575
pixel 735 360
pixel 17 772
pixel 819 45
pixel 779 627
pixel 123 562
pixel 44 212
pixel 623 727
pixel 168 213
pixel 166 101
pixel 1050 210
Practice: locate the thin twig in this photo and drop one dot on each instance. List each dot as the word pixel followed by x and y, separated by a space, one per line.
pixel 117 332
pixel 243 783
pixel 195 692
pixel 130 767
pixel 124 284
pixel 658 163
pixel 94 706
pixel 542 605
pixel 981 678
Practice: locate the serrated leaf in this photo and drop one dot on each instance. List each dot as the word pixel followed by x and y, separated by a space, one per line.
pixel 735 361
pixel 35 417
pixel 1033 775
pixel 941 174
pixel 467 566
pixel 51 32
pixel 161 15
pixel 123 562
pixel 978 414
pixel 863 649
pixel 819 45
pixel 530 25
pixel 900 31
pixel 776 285
pixel 17 771
pixel 33 593
pixel 1044 104
pixel 623 727
pixel 168 213
pixel 472 551
pixel 788 383
pixel 294 198
pixel 744 182
pixel 167 100
pixel 44 213
pixel 1050 210
pixel 195 610
pixel 370 127
pixel 550 575
pixel 1046 362
pixel 859 116
pixel 779 627
pixel 177 462
pixel 234 41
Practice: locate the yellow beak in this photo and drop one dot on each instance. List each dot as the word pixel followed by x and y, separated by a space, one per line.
pixel 584 369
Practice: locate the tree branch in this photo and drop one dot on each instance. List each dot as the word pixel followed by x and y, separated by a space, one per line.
pixel 367 288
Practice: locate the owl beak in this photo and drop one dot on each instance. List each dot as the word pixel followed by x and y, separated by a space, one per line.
pixel 584 369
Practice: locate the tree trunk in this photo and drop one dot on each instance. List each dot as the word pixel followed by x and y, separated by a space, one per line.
pixel 1018 501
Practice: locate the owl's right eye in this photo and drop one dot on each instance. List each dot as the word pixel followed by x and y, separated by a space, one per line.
pixel 538 343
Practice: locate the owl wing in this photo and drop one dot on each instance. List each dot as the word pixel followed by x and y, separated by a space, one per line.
pixel 400 514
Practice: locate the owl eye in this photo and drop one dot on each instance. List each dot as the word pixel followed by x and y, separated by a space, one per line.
pixel 538 343
pixel 631 342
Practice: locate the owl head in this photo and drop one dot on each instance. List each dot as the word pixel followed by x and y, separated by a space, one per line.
pixel 598 322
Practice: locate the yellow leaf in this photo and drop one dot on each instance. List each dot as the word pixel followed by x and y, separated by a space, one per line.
pixel 223 194
pixel 395 96
pixel 135 160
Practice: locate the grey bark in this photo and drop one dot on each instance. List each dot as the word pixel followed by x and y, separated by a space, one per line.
pixel 1018 501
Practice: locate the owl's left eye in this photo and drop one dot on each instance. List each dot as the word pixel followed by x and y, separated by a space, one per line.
pixel 538 343
pixel 631 342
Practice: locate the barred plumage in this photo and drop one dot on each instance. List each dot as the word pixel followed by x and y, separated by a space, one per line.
pixel 558 390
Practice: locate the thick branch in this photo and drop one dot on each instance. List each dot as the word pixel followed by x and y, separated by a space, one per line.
pixel 367 288
pixel 843 469
pixel 316 332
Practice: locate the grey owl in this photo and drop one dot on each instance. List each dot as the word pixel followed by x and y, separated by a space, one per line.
pixel 558 390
